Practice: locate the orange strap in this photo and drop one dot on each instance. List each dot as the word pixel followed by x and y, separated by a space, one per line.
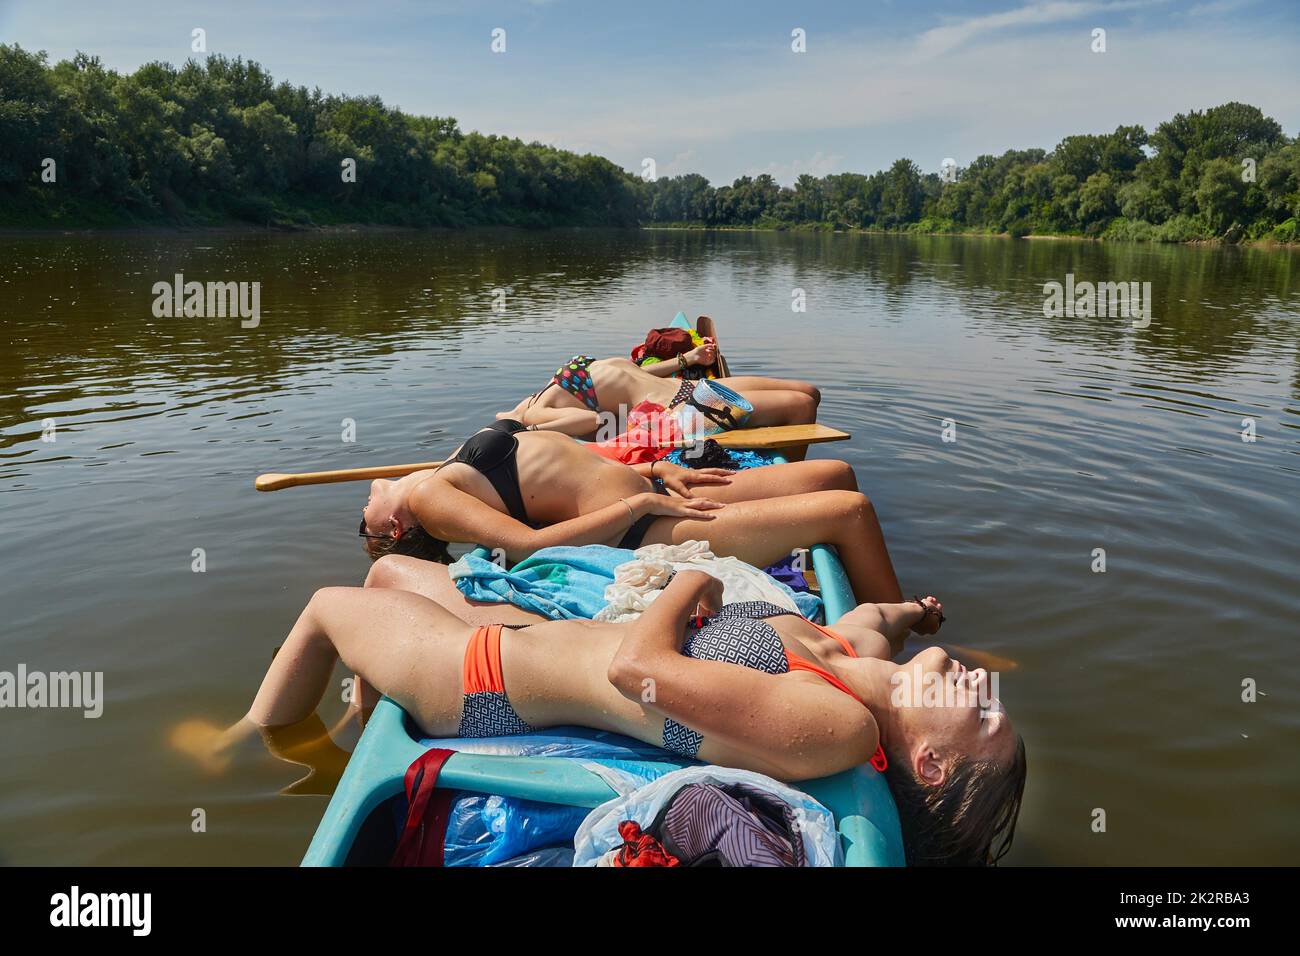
pixel 483 661
pixel 797 663
pixel 843 641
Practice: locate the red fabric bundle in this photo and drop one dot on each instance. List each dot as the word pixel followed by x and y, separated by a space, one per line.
pixel 664 344
pixel 641 849
pixel 648 428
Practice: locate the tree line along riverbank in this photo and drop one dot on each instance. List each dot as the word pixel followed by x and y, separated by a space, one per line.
pixel 219 142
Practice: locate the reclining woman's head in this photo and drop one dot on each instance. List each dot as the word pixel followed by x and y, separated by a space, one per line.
pixel 956 766
pixel 389 527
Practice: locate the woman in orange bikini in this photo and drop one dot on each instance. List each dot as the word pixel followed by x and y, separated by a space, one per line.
pixel 754 687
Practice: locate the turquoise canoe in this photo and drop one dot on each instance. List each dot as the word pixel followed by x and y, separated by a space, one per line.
pixel 358 826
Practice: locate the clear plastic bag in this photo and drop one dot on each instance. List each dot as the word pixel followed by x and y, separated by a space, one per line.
pixel 550 856
pixel 599 832
pixel 489 830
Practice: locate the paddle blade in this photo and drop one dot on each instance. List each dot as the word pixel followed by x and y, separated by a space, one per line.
pixel 985 659
pixel 273 481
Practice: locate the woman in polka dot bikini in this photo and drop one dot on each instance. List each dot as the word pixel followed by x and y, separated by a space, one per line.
pixel 589 388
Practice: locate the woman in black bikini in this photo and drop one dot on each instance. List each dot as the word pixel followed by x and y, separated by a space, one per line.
pixel 755 687
pixel 520 491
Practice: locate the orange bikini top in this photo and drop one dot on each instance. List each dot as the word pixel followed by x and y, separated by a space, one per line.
pixel 758 610
pixel 798 663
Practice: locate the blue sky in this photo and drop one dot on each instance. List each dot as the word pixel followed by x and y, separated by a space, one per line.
pixel 713 87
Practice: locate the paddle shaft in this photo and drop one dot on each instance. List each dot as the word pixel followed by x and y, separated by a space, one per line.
pixel 793 440
pixel 274 481
pixel 783 438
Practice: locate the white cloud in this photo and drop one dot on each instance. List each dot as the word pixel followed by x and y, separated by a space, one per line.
pixel 819 164
pixel 942 39
pixel 1021 77
pixel 992 91
pixel 684 162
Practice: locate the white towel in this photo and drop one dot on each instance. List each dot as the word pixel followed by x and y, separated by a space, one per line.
pixel 637 583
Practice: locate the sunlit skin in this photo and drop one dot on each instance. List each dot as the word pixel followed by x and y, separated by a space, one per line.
pixel 434 581
pixel 621 384
pixel 792 726
pixel 760 515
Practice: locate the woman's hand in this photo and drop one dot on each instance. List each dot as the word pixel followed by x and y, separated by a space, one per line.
pixel 704 354
pixel 649 503
pixel 681 480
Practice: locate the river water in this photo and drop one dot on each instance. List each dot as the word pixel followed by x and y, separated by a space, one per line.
pixel 1072 434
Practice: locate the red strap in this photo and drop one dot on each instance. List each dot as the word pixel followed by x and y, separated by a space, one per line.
pixel 422 838
pixel 878 759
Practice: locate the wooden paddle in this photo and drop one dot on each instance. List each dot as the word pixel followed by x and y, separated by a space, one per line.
pixel 704 326
pixel 274 481
pixel 775 438
pixel 985 659
pixel 771 438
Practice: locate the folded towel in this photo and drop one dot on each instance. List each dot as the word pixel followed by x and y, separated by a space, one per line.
pixel 564 583
pixel 561 583
pixel 639 582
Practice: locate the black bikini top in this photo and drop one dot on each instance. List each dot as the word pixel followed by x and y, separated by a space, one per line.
pixel 491 453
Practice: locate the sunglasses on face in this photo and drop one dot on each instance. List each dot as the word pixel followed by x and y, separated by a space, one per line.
pixel 366 534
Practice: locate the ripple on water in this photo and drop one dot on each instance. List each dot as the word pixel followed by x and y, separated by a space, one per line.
pixel 1071 436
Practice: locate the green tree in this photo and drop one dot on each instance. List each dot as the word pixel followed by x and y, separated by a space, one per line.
pixel 901 196
pixel 220 138
pixel 1219 193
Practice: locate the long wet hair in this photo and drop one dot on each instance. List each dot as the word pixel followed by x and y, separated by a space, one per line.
pixel 957 823
pixel 414 542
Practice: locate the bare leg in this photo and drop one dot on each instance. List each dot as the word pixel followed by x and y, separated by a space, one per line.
pixel 430 579
pixel 764 532
pixel 363 702
pixel 400 643
pixel 775 481
pixel 758 383
pixel 783 407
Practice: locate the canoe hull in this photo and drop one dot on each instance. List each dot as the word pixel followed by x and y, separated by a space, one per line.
pixel 357 822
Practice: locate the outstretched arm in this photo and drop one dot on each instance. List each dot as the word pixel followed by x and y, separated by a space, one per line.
pixel 701 355
pixel 577 422
pixel 795 730
pixel 450 514
pixel 681 480
pixel 890 621
pixel 666 368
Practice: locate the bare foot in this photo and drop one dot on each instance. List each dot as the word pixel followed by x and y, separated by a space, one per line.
pixel 202 740
pixel 933 618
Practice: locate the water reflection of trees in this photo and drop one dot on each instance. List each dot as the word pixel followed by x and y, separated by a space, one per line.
pixel 76 320
pixel 1212 305
pixel 77 328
